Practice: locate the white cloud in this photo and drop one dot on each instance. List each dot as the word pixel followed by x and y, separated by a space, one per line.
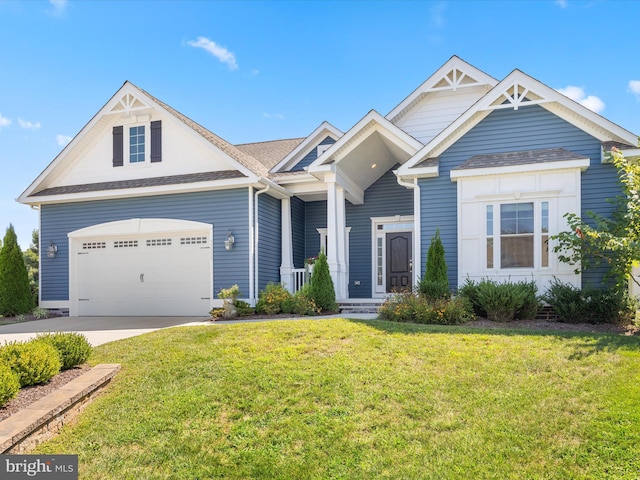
pixel 562 3
pixel 436 17
pixel 63 140
pixel 634 87
pixel 27 124
pixel 277 116
pixel 4 121
pixel 59 7
pixel 577 94
pixel 221 53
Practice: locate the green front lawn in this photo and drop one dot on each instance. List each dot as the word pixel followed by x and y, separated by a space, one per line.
pixel 362 400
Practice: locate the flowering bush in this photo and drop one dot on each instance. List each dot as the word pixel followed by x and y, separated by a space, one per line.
pixel 310 260
pixel 412 308
pixel 272 299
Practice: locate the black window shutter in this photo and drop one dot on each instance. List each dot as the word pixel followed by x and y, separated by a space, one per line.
pixel 118 147
pixel 156 141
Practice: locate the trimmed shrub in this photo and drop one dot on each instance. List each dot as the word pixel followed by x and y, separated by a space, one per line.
pixel 244 308
pixel 469 290
pixel 272 299
pixel 33 362
pixel 40 313
pixel 507 301
pixel 9 384
pixel 15 291
pixel 590 305
pixel 73 348
pixel 322 290
pixel 303 303
pixel 435 283
pixel 567 301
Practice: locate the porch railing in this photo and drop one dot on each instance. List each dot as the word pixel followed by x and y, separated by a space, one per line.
pixel 299 278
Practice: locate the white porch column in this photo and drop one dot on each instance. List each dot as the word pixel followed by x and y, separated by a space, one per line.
pixel 286 267
pixel 336 240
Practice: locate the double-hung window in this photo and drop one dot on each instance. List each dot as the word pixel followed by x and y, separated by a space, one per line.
pixel 136 144
pixel 518 237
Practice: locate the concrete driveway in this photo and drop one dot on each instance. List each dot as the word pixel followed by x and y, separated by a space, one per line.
pixel 98 330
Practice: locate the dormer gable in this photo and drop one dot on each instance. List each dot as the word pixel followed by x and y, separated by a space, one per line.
pixel 442 98
pixel 313 146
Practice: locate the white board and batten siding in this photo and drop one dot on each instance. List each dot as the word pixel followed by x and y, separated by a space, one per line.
pixel 141 267
pixel 438 110
pixel 559 188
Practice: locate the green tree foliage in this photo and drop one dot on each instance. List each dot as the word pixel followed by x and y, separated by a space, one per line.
pixel 32 261
pixel 435 283
pixel 322 290
pixel 15 293
pixel 615 240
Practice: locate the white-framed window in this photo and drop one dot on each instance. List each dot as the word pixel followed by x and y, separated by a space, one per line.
pixel 517 235
pixel 137 144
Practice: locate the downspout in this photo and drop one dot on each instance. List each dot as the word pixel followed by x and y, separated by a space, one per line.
pixel 256 286
pixel 251 244
pixel 417 247
pixel 37 208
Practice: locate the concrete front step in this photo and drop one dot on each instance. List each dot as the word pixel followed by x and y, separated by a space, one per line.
pixel 360 306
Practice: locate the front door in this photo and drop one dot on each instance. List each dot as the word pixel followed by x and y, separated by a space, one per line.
pixel 399 265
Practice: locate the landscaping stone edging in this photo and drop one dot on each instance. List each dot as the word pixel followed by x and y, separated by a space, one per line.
pixel 38 422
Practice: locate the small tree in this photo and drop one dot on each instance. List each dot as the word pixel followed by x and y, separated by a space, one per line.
pixel 32 261
pixel 615 240
pixel 15 293
pixel 322 290
pixel 435 283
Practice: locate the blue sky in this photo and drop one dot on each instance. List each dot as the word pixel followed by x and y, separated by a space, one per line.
pixel 254 71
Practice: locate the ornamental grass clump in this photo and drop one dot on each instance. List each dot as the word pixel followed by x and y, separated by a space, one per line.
pixel 33 362
pixel 9 384
pixel 73 348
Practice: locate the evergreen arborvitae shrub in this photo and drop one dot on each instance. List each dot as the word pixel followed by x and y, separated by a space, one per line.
pixel 322 290
pixel 15 291
pixel 73 348
pixel 9 384
pixel 34 362
pixel 435 283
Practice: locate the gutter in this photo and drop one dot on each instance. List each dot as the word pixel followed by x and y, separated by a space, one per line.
pixel 417 234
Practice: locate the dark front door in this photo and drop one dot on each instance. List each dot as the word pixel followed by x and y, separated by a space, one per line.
pixel 398 261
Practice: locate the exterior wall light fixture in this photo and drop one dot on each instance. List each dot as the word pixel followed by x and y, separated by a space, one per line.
pixel 228 243
pixel 52 250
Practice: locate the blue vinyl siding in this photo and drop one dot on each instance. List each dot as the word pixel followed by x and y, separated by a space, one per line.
pixel 384 198
pixel 528 128
pixel 315 217
pixel 269 240
pixel 297 231
pixel 310 157
pixel 225 210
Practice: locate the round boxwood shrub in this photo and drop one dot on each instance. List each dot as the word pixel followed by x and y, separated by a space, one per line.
pixel 33 362
pixel 9 384
pixel 73 348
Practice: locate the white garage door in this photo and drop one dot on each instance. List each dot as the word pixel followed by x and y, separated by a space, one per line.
pixel 162 273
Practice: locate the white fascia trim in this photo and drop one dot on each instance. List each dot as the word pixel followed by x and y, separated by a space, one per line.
pixel 428 85
pixel 141 192
pixel 308 144
pixel 278 191
pixel 483 107
pixel 422 172
pixel 582 164
pixel 54 304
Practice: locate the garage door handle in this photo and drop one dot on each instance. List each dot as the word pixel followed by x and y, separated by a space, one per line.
pixel 142 278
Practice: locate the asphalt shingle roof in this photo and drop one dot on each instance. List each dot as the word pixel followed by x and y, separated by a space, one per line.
pixel 508 159
pixel 141 182
pixel 271 152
